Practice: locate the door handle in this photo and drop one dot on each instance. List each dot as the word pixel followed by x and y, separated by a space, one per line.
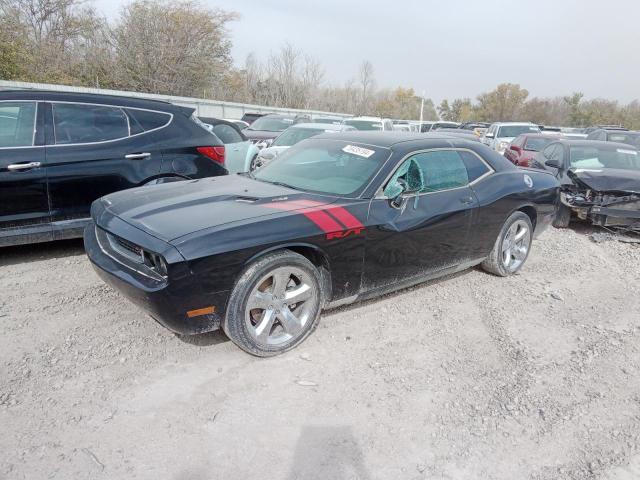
pixel 137 156
pixel 22 166
pixel 466 200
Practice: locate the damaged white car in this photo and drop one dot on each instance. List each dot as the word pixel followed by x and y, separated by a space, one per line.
pixel 600 182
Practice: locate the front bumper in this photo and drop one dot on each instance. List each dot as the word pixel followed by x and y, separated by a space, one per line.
pixel 167 301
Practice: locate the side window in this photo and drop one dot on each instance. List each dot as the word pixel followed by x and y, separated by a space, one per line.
pixel 78 123
pixel 475 167
pixel 548 152
pixel 17 124
pixel 227 134
pixel 430 172
pixel 149 120
pixel 554 152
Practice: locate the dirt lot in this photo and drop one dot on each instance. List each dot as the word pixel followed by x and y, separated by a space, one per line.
pixel 471 377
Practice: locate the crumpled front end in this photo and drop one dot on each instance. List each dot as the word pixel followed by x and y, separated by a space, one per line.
pixel 617 210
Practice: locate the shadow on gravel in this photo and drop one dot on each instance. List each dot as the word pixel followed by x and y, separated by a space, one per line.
pixel 328 453
pixel 40 251
pixel 204 339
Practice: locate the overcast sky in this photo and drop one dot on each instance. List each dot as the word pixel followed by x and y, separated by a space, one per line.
pixel 452 48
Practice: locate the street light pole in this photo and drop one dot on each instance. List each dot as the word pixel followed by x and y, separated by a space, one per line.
pixel 421 109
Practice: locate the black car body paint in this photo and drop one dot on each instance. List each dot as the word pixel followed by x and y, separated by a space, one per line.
pixel 211 229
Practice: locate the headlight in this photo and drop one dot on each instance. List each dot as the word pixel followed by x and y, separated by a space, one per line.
pixel 264 143
pixel 503 145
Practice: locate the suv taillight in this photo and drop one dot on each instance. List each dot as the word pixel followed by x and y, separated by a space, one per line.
pixel 214 153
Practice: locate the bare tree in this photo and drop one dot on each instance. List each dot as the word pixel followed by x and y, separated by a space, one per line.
pixel 367 83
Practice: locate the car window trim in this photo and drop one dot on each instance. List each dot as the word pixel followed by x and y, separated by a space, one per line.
pixel 35 123
pixel 491 171
pixel 121 107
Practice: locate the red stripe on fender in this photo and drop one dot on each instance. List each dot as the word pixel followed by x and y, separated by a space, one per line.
pixel 345 217
pixel 325 222
pixel 339 213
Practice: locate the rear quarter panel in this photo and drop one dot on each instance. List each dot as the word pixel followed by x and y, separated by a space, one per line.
pixel 504 192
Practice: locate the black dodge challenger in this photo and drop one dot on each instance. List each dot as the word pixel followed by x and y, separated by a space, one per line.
pixel 337 218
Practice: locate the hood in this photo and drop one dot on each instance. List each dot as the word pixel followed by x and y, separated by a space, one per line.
pixel 259 134
pixel 176 209
pixel 608 179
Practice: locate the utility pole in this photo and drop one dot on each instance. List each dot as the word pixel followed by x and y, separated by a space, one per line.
pixel 421 109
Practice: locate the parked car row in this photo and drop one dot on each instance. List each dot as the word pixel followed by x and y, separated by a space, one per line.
pixel 317 213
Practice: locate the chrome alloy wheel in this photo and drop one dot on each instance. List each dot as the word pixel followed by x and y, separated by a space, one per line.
pixel 280 306
pixel 515 245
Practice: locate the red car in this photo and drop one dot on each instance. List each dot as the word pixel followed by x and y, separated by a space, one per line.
pixel 523 148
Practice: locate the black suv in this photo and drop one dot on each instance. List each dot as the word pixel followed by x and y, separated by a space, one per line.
pixel 60 151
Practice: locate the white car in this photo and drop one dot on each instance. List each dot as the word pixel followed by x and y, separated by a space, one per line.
pixel 369 123
pixel 499 135
pixel 291 136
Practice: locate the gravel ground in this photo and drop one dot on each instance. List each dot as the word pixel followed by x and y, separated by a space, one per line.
pixel 536 376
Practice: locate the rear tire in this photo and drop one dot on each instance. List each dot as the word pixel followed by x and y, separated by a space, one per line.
pixel 511 250
pixel 275 304
pixel 563 217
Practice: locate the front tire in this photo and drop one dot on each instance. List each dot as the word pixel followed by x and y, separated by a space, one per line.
pixel 512 246
pixel 275 304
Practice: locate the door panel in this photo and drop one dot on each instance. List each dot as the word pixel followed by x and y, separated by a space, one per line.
pixel 430 233
pixel 24 206
pixel 81 173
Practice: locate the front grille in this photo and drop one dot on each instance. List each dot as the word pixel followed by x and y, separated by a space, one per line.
pixel 131 247
pixel 131 255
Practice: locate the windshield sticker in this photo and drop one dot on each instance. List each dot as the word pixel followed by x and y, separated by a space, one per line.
pixel 628 152
pixel 359 151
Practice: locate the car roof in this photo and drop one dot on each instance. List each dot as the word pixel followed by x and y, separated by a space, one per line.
pixel 541 135
pixel 277 115
pixel 318 126
pixel 82 97
pixel 371 119
pixel 503 124
pixel 385 139
pixel 594 143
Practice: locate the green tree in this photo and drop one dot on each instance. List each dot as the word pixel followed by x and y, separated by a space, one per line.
pixel 502 104
pixel 176 48
pixel 576 116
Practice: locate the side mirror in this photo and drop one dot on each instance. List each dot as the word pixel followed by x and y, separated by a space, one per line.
pixel 555 163
pixel 397 201
pixel 515 148
pixel 489 135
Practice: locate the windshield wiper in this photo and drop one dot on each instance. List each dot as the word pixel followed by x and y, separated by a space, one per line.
pixel 280 184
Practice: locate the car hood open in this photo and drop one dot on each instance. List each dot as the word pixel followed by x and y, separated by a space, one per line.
pixel 177 209
pixel 608 179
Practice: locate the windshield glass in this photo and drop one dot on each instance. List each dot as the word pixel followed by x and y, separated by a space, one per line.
pixel 629 138
pixel 364 124
pixel 535 144
pixel 598 158
pixel 515 130
pixel 332 167
pixel 293 135
pixel 271 124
